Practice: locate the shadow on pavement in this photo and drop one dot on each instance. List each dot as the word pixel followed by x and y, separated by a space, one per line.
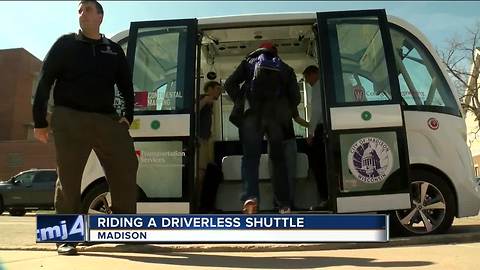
pixel 275 262
pixel 464 228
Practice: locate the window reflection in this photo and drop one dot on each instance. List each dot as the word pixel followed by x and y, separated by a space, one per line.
pixel 359 59
pixel 156 71
pixel 419 77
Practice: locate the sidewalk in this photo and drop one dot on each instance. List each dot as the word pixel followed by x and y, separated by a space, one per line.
pixel 425 257
pixel 18 233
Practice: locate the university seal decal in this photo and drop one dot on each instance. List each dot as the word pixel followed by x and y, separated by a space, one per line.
pixel 370 160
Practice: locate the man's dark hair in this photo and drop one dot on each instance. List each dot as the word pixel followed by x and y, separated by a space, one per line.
pixel 97 5
pixel 210 84
pixel 310 70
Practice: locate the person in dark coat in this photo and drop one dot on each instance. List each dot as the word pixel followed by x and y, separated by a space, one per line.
pixel 256 118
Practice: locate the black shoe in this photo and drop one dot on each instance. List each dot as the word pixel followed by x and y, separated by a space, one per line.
pixel 66 249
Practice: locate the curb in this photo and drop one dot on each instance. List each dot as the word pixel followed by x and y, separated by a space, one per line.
pixel 166 248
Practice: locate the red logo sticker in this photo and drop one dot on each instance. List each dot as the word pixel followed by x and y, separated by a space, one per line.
pixel 141 99
pixel 433 123
pixel 138 153
pixel 358 93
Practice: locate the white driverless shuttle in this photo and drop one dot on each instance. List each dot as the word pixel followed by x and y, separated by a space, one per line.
pixel 395 136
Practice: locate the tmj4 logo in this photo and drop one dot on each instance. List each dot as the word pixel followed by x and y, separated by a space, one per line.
pixel 61 231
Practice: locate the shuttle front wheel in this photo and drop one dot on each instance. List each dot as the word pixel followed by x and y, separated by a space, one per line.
pixel 97 200
pixel 433 206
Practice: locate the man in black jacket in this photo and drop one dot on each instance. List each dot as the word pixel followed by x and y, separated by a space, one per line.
pixel 259 117
pixel 84 68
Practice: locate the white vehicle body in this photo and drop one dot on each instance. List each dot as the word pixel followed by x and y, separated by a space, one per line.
pixel 442 150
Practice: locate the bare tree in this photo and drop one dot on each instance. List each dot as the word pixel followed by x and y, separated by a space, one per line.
pixel 462 59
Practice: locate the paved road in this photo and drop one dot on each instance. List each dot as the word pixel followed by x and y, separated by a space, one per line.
pixel 445 257
pixel 18 233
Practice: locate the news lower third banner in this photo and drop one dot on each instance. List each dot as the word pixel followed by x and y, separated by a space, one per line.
pixel 212 228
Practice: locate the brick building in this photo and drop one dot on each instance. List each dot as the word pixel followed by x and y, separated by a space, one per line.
pixel 18 150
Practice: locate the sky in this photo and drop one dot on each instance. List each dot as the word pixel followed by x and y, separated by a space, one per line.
pixel 35 25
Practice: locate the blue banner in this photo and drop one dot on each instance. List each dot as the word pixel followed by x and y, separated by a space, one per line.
pixel 236 222
pixel 61 228
pixel 212 228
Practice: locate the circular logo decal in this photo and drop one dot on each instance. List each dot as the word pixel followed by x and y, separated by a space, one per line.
pixel 366 115
pixel 370 160
pixel 155 124
pixel 433 123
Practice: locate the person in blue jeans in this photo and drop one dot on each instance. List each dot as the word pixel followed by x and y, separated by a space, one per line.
pixel 255 120
pixel 290 148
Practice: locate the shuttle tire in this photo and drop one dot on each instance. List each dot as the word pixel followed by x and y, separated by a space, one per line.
pixel 433 206
pixel 95 196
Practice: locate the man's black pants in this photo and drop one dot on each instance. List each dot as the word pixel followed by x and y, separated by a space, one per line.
pixel 76 134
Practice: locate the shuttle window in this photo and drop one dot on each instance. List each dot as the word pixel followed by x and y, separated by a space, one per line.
pixel 421 82
pixel 155 72
pixel 366 86
pixel 357 53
